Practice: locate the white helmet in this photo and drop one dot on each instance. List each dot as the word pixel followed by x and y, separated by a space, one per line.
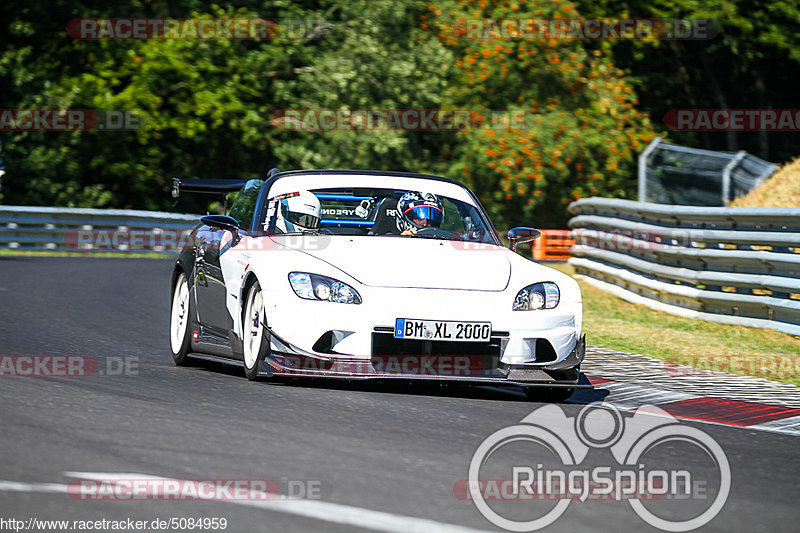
pixel 298 212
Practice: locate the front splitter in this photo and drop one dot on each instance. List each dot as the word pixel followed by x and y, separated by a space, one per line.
pixel 294 366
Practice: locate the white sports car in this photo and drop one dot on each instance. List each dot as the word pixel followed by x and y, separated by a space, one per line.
pixel 365 275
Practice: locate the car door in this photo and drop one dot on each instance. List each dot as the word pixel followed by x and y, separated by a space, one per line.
pixel 210 285
pixel 233 258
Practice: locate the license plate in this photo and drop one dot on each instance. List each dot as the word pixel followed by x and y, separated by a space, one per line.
pixel 442 330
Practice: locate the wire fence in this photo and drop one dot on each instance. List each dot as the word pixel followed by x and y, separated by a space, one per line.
pixel 678 175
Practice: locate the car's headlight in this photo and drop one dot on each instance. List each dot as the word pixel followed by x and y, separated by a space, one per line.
pixel 537 296
pixel 316 287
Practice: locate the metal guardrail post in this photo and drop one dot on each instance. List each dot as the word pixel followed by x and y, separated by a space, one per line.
pixel 643 168
pixel 726 176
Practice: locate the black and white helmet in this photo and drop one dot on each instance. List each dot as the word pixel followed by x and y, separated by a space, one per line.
pixel 419 210
pixel 298 212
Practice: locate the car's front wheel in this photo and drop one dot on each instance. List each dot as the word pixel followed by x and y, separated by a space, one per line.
pixel 180 317
pixel 256 340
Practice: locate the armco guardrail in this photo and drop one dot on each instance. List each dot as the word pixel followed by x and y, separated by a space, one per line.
pixel 731 265
pixel 93 230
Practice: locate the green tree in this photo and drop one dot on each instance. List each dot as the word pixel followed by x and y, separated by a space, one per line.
pixel 580 130
pixel 206 107
pixel 751 62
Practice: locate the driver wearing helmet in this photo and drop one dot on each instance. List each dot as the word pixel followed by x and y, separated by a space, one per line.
pixel 418 210
pixel 298 213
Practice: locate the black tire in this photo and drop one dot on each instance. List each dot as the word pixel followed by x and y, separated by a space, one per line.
pixel 254 325
pixel 181 311
pixel 549 395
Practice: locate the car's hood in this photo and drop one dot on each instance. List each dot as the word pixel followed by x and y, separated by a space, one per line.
pixel 412 262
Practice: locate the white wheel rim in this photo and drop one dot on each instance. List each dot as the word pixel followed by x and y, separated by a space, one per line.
pixel 179 320
pixel 253 328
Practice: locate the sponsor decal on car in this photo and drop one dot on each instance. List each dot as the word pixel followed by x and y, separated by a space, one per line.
pixel 284 196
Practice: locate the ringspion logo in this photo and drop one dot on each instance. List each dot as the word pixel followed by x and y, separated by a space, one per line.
pixel 543 458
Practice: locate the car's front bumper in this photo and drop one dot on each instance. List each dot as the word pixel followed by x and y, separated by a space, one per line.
pixel 444 368
pixel 301 327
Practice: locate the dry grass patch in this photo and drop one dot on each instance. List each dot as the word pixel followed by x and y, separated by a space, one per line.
pixel 780 190
pixel 610 322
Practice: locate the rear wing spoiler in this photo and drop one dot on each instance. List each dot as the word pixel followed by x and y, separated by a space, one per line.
pixel 210 186
pixel 205 186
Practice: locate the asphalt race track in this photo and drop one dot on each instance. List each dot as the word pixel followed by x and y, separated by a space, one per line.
pixel 372 457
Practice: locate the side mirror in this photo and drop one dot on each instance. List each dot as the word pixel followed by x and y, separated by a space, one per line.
pixel 521 235
pixel 223 222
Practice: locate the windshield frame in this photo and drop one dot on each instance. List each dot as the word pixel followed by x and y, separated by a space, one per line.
pixel 262 205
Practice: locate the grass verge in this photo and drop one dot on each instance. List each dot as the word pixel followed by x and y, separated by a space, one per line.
pixel 610 322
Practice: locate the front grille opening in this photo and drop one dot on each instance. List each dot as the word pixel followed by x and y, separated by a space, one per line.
pixel 387 344
pixel 421 356
pixel 545 352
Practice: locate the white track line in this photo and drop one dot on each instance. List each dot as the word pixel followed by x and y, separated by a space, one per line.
pixel 22 486
pixel 318 510
pixel 357 516
pixel 789 426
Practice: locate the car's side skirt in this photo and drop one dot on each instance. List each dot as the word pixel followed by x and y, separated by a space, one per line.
pixel 209 343
pixel 216 359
